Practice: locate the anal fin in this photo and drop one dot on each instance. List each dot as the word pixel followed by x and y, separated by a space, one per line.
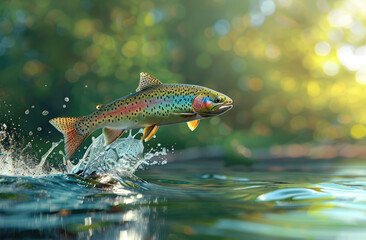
pixel 149 132
pixel 111 135
pixel 193 124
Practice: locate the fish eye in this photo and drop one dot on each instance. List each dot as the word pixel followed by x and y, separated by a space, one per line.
pixel 217 100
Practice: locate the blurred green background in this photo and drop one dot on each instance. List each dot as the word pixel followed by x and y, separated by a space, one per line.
pixel 296 70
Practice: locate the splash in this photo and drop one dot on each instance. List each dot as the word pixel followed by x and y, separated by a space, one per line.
pixel 123 157
pixel 20 161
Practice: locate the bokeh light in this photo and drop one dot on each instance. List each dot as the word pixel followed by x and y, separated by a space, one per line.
pixel 295 69
pixel 322 48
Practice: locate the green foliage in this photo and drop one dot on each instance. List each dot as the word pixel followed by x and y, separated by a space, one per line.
pixel 284 63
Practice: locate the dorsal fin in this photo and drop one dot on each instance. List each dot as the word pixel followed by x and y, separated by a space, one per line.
pixel 146 81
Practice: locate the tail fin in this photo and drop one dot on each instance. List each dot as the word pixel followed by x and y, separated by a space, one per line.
pixel 73 139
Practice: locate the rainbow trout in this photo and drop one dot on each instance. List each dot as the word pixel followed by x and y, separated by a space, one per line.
pixel 154 104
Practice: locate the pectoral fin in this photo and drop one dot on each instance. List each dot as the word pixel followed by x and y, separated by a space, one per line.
pixel 111 135
pixel 193 124
pixel 149 132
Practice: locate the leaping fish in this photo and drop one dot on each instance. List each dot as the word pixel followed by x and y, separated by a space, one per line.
pixel 152 105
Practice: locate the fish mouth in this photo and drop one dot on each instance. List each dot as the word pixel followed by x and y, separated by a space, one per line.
pixel 225 107
pixel 218 109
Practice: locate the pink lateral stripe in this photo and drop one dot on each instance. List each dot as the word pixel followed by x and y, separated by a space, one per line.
pixel 125 110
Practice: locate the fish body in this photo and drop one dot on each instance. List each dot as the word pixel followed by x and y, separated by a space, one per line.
pixel 153 105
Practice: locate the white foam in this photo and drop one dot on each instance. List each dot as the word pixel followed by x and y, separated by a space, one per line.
pixel 125 155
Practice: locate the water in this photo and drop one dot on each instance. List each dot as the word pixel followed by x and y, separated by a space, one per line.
pixel 191 199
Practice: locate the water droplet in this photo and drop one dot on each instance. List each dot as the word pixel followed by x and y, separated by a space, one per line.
pixel 4 126
pixel 67 99
pixel 30 133
pixel 32 106
pixel 86 86
pixel 45 113
pixel 64 106
pixel 2 136
pixel 45 85
pixel 39 129
pixel 159 144
pixel 26 112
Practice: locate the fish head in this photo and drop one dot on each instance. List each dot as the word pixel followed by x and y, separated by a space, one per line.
pixel 209 103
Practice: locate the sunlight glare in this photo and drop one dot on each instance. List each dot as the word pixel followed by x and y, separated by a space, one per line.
pixel 361 76
pixel 331 68
pixel 350 57
pixel 322 48
pixel 338 18
pixel 268 7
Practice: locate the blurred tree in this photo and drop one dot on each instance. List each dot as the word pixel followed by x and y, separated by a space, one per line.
pixel 296 70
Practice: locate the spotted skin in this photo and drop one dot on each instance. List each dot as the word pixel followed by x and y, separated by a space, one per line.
pixel 154 104
pixel 157 105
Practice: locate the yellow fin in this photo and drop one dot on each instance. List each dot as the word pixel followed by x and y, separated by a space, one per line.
pixel 99 106
pixel 149 132
pixel 152 133
pixel 73 139
pixel 111 135
pixel 146 81
pixel 193 124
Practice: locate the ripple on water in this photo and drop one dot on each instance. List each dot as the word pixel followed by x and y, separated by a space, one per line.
pixel 292 194
pixel 336 194
pixel 343 192
pixel 224 177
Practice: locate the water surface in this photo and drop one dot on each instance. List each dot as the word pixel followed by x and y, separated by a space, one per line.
pixel 190 200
